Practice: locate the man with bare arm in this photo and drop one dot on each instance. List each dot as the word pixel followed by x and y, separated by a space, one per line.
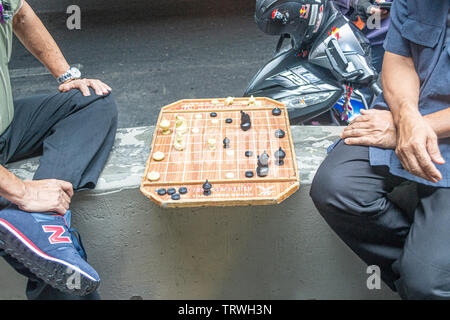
pixel 74 130
pixel 406 136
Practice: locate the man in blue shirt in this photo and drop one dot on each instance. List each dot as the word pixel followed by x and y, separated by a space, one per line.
pixel 406 136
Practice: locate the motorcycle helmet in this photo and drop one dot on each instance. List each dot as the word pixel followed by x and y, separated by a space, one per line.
pixel 299 19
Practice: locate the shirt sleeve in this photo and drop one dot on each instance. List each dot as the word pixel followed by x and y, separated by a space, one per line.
pixel 19 6
pixel 394 41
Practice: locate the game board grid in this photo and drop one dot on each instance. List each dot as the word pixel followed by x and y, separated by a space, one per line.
pixel 208 164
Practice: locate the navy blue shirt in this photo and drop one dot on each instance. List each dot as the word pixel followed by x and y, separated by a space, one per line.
pixel 419 30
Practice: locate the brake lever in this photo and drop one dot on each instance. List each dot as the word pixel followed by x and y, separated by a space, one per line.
pixel 342 74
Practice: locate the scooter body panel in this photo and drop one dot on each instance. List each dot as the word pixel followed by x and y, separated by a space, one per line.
pixel 308 90
pixel 310 84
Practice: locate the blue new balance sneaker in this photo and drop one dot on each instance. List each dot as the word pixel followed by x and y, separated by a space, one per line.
pixel 45 245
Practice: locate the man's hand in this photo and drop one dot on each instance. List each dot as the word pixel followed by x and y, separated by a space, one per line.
pixel 417 147
pixel 365 8
pixel 83 85
pixel 382 12
pixel 45 196
pixel 374 128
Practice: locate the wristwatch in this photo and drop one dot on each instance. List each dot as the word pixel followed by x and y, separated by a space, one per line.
pixel 72 73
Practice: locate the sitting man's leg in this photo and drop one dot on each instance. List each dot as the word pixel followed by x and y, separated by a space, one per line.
pixel 424 266
pixel 412 252
pixel 74 134
pixel 352 197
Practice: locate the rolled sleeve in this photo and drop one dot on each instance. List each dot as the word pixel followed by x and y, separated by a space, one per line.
pixel 19 6
pixel 394 42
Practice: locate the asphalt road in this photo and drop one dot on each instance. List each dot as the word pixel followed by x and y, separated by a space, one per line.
pixel 151 53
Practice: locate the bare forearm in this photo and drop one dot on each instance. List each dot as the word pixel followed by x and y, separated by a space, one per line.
pixel 11 187
pixel 401 86
pixel 417 145
pixel 440 122
pixel 35 37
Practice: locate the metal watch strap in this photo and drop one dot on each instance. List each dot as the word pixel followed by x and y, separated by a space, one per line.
pixel 72 73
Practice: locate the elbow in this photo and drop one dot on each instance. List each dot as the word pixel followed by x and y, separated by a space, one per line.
pixel 21 17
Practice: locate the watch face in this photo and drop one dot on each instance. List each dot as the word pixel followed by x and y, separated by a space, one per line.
pixel 75 72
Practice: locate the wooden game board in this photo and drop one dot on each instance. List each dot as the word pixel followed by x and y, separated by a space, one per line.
pixel 194 165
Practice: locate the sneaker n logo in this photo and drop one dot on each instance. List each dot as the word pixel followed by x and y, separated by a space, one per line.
pixel 56 231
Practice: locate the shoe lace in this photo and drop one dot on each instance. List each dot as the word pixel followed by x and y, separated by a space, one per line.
pixel 78 244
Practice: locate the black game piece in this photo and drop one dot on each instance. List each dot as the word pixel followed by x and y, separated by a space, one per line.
pixel 280 155
pixel 183 190
pixel 161 191
pixel 263 165
pixel 226 143
pixel 262 171
pixel 171 191
pixel 229 120
pixel 248 153
pixel 207 188
pixel 279 133
pixel 263 160
pixel 249 174
pixel 213 114
pixel 176 196
pixel 276 111
pixel 246 123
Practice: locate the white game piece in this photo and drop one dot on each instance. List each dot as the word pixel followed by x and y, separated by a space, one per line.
pixel 251 101
pixel 153 176
pixel 198 116
pixel 212 144
pixel 195 130
pixel 230 153
pixel 165 126
pixel 214 121
pixel 179 136
pixel 229 175
pixel 183 129
pixel 158 156
pixel 229 101
pixel 180 121
pixel 179 146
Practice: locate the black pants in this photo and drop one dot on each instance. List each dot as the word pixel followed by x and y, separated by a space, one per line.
pixel 412 250
pixel 74 134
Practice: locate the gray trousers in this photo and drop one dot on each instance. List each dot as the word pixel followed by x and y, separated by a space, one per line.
pixel 74 134
pixel 411 249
